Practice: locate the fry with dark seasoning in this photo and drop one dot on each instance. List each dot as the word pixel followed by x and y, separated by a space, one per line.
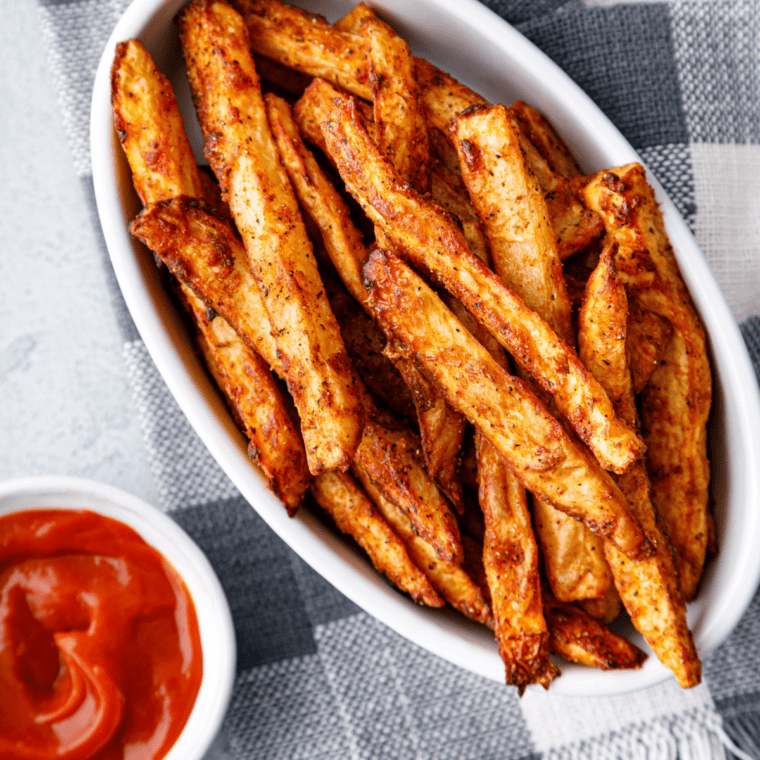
pixel 243 155
pixel 344 500
pixel 649 588
pixel 535 445
pixel 425 235
pixel 676 400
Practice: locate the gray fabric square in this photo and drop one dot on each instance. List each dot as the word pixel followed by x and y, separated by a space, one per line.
pixel 671 165
pixel 184 471
pixel 322 601
pixel 400 701
pixel 254 568
pixel 751 332
pixel 519 11
pixel 622 56
pixel 285 711
pixel 717 49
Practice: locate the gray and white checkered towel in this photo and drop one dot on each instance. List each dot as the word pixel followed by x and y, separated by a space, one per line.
pixel 317 677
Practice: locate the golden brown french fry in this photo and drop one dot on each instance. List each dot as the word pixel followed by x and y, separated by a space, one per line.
pixel 441 428
pixel 547 142
pixel 351 22
pixel 510 558
pixel 647 338
pixel 342 498
pixel 389 457
pixel 150 127
pixel 649 588
pixel 306 42
pixel 605 608
pixel 243 155
pixel 513 213
pixel 542 455
pixel 314 106
pixel 202 250
pixel 676 402
pixel 577 637
pixel 448 578
pixel 573 557
pixel 429 238
pixel 257 402
pixel 512 210
pixel 401 130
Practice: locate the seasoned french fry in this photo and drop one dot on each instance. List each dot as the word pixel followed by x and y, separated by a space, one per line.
pixel 546 141
pixel 342 498
pixel 647 338
pixel 428 237
pixel 401 130
pixel 448 578
pixel 648 588
pixel 150 127
pixel 389 457
pixel 243 155
pixel 604 608
pixel 510 558
pixel 513 213
pixel 577 637
pixel 281 77
pixel 202 250
pixel 256 400
pixel 307 43
pixel 534 444
pixel 351 22
pixel 441 428
pixel 676 401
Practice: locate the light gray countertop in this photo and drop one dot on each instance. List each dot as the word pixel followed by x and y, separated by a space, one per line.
pixel 67 407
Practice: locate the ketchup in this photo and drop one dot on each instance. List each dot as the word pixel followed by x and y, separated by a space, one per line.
pixel 100 653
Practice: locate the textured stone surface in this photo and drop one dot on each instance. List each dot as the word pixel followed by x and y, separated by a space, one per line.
pixel 66 405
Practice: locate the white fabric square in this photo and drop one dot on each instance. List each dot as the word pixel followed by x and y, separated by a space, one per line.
pixel 727 225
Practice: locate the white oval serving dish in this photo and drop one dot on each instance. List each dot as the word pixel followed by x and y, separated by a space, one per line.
pixel 167 537
pixel 468 40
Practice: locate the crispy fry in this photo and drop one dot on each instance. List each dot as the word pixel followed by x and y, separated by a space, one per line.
pixel 676 401
pixel 448 578
pixel 399 118
pixel 604 608
pixel 307 43
pixel 257 402
pixel 512 210
pixel 150 127
pixel 351 22
pixel 547 142
pixel 202 250
pixel 535 445
pixel 649 588
pixel 647 338
pixel 441 428
pixel 342 498
pixel 577 637
pixel 573 556
pixel 389 457
pixel 243 154
pixel 281 77
pixel 429 238
pixel 510 557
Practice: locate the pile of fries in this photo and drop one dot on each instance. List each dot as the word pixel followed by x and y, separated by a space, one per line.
pixel 503 396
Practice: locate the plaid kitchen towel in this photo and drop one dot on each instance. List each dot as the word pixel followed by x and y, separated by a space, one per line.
pixel 317 677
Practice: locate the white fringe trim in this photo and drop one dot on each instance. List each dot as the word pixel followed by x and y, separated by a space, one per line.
pixel 696 735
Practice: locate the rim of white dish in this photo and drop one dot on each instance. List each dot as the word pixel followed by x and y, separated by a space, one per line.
pixel 173 543
pixel 444 634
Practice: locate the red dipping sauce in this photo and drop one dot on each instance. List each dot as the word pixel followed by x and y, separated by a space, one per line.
pixel 100 653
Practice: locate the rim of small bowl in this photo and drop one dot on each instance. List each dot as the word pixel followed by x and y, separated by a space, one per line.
pixel 175 545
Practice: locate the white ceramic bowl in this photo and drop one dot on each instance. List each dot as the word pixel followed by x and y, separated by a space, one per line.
pixel 468 40
pixel 163 534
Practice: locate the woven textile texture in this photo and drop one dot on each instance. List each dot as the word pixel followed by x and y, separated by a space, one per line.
pixel 319 678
